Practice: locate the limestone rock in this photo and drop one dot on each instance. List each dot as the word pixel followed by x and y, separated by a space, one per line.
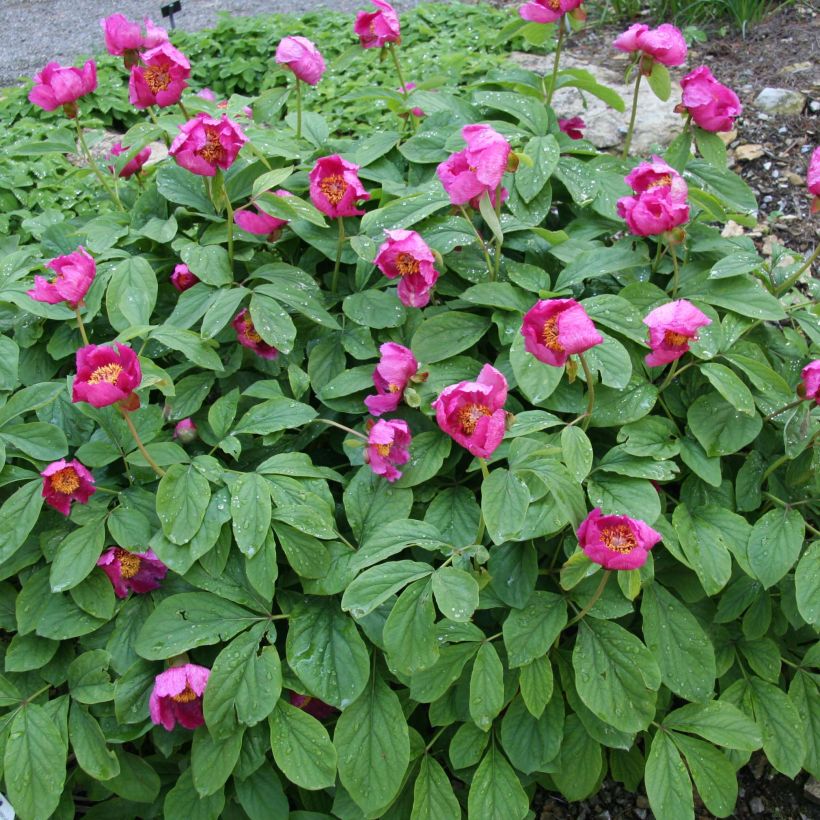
pixel 780 101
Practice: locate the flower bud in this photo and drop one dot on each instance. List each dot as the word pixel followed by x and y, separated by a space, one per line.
pixel 513 161
pixel 411 397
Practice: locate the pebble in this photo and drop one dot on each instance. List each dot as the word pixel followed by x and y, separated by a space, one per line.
pixel 780 101
pixel 756 806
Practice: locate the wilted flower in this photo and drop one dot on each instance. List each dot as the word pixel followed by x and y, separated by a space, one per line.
pixel 387 447
pixel 124 37
pixel 810 385
pixel 107 376
pixel 616 541
pixel 247 336
pixel 161 78
pixel 73 275
pixel 177 696
pixel 664 43
pixel 391 377
pixel 182 278
pixel 67 481
pixel 660 204
pixel 59 85
pixel 302 57
pixel 407 256
pixel 205 144
pixel 671 328
pixel 555 329
pixel 185 431
pixel 478 168
pixel 134 164
pixel 573 128
pixel 378 28
pixel 132 571
pixel 335 187
pixel 711 105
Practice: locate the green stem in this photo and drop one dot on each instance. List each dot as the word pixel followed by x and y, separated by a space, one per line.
pixel 138 441
pixel 335 280
pixel 486 473
pixel 341 427
pixel 658 256
pixel 485 470
pixel 96 168
pixel 773 466
pixel 628 140
pixel 590 391
pixel 795 276
pixel 298 109
pixel 783 409
pixel 669 376
pixel 411 120
pixel 436 736
pixel 499 240
pixel 184 110
pixel 80 325
pixel 481 243
pixel 594 599
pixel 676 275
pixel 557 59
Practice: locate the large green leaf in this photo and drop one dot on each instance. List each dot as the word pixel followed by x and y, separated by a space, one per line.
pixel 504 502
pixel 433 797
pixel 529 632
pixel 182 499
pixel 446 334
pixel 775 544
pixel 712 771
pixel 250 511
pixel 486 687
pixel 496 793
pixel 409 634
pixel 301 747
pixel 667 782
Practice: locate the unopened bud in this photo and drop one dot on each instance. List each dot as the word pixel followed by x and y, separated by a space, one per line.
pixel 513 162
pixel 419 378
pixel 647 62
pixel 438 257
pixel 509 420
pixel 185 431
pixel 411 398
pixel 675 237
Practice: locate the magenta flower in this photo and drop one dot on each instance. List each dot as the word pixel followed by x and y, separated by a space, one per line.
pixel 387 447
pixel 258 222
pixel 810 386
pixel 67 481
pixel 378 28
pixel 660 204
pixel 416 112
pixel 616 541
pixel 182 278
pixel 59 85
pixel 313 706
pixel 73 275
pixel 547 11
pixel 124 37
pixel 107 376
pixel 177 696
pixel 206 94
pixel 554 329
pixel 671 328
pixel 302 57
pixel 407 256
pixel 335 187
pixel 711 105
pixel 573 128
pixel 664 43
pixel 391 377
pixel 472 413
pixel 813 179
pixel 185 431
pixel 477 169
pixel 133 165
pixel 161 78
pixel 205 144
pixel 132 571
pixel 247 336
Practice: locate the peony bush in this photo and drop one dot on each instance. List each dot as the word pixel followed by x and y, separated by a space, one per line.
pixel 402 473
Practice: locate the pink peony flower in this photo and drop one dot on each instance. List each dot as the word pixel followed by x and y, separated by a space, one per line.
pixel 107 376
pixel 473 413
pixel 247 336
pixel 573 128
pixel 547 11
pixel 133 165
pixel 671 327
pixel 67 481
pixel 660 204
pixel 313 706
pixel 387 446
pixel 664 43
pixel 416 112
pixel 124 37
pixel 182 278
pixel 480 167
pixel 185 431
pixel 811 381
pixel 335 187
pixel 177 696
pixel 406 255
pixel 132 571
pixel 161 78
pixel 711 105
pixel 813 179
pixel 258 222
pixel 554 329
pixel 206 94
pixel 205 144
pixel 391 377
pixel 302 57
pixel 616 541
pixel 59 85
pixel 378 28
pixel 73 275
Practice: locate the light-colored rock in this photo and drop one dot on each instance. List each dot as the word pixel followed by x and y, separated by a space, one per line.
pixel 780 101
pixel 732 229
pixel 728 137
pixel 657 124
pixel 159 150
pixel 748 152
pixel 812 790
pixel 797 68
pixel 795 179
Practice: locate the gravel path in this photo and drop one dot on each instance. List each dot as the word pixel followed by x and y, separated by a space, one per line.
pixel 36 31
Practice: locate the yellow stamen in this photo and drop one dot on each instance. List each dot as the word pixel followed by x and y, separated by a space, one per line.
pixel 469 416
pixel 393 388
pixel 383 450
pixel 661 182
pixel 250 331
pixel 107 373
pixel 129 563
pixel 675 339
pixel 158 77
pixel 185 696
pixel 619 538
pixel 212 152
pixel 549 335
pixel 334 188
pixel 406 264
pixel 65 481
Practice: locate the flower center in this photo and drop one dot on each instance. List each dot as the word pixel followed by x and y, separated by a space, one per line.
pixel 393 388
pixel 129 563
pixel 469 416
pixel 250 331
pixel 158 77
pixel 661 182
pixel 383 450
pixel 212 152
pixel 555 5
pixel 185 696
pixel 334 188
pixel 619 538
pixel 675 339
pixel 107 373
pixel 65 481
pixel 549 335
pixel 407 265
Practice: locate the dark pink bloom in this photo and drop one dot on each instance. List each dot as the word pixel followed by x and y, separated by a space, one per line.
pixel 477 169
pixel 378 28
pixel 258 222
pixel 107 376
pixel 247 336
pixel 811 381
pixel 554 329
pixel 59 85
pixel 813 179
pixel 573 128
pixel 182 278
pixel 547 11
pixel 132 571
pixel 177 696
pixel 407 256
pixel 387 447
pixel 313 706
pixel 664 43
pixel 473 413
pixel 660 204
pixel 185 431
pixel 711 105
pixel 133 165
pixel 73 275
pixel 416 112
pixel 335 187
pixel 161 78
pixel 302 57
pixel 67 481
pixel 205 144
pixel 391 377
pixel 671 328
pixel 616 541
pixel 124 37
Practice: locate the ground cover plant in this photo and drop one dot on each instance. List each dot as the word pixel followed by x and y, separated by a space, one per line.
pixel 397 469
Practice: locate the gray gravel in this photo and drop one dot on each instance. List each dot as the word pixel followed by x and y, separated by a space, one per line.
pixel 36 31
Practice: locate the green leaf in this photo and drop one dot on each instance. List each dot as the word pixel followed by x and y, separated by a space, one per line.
pixel 486 687
pixel 667 782
pixel 427 454
pixel 718 722
pixel 620 495
pixel 88 677
pixel 544 153
pixel 504 502
pixel 514 570
pixel 536 682
pixel 374 586
pixel 212 761
pixel 307 556
pixel 467 745
pixel 272 322
pixel 692 455
pixel 807 584
pixel 373 746
pixel 131 294
pixel 529 111
pixel 730 387
pixel 537 380
pixel 274 415
pixel 76 556
pixel 577 452
pixel 431 684
pixel 209 263
pixel 659 81
pixel 433 797
pixel 529 632
pixel 704 547
pixel 615 675
pixel 250 511
pixel 455 513
pixel 775 544
pixel 182 187
pixel 374 308
pixel 783 740
pixel 531 742
pixel 183 802
pixel 89 746
pixel 581 762
pixel 456 593
pixel 261 795
pixel 43 442
pixel 496 793
pixel 713 773
pixel 446 334
pixel 741 294
pixel 188 343
pixel 409 634
pixel 19 514
pixel 137 780
pixel 222 308
pixel 182 499
pixel 301 748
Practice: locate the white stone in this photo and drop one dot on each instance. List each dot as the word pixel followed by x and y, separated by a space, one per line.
pixel 780 101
